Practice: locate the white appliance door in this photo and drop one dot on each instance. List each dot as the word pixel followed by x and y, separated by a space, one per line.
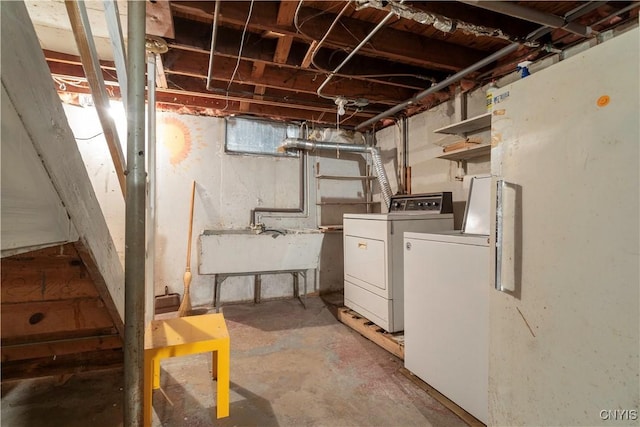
pixel 446 331
pixel 564 330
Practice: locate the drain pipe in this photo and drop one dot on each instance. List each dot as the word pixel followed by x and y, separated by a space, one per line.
pixel 134 265
pixel 304 201
pixel 214 31
pixel 353 52
pixel 443 84
pixel 308 145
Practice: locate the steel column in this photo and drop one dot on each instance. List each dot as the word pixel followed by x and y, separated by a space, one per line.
pixel 134 265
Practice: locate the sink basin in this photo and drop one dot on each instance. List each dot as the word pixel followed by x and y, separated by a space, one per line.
pixel 249 251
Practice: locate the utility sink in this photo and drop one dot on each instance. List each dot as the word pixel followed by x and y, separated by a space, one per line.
pixel 254 251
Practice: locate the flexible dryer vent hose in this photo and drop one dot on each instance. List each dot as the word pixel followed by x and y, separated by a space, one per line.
pixel 305 144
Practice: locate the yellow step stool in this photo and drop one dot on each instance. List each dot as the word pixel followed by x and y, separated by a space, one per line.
pixel 182 336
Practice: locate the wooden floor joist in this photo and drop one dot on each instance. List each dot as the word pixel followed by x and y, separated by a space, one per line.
pixel 393 343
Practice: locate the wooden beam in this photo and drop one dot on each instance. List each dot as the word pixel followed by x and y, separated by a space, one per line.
pixel 282 50
pixel 300 82
pixel 59 347
pixel 286 12
pixel 84 39
pixel 63 365
pixel 400 46
pixel 50 274
pixel 90 264
pixel 308 57
pixel 371 331
pixel 34 320
pixel 305 81
pixel 187 38
pixel 159 20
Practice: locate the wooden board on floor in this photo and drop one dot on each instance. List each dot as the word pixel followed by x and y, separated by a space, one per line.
pixel 393 343
pixel 446 402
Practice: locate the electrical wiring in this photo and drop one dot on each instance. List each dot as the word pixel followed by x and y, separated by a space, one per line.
pixel 326 34
pixel 235 70
pixel 244 32
pixel 89 138
pixel 352 114
pixel 63 82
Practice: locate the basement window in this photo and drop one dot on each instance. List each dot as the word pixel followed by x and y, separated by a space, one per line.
pixel 251 136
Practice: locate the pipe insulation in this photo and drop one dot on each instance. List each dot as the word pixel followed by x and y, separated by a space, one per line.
pixel 308 145
pixel 439 22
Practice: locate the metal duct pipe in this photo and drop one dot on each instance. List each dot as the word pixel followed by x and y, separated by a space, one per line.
pixel 134 260
pixel 308 145
pixel 443 84
pixel 214 31
pixel 531 15
pixel 353 52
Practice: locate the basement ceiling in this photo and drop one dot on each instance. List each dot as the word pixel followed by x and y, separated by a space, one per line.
pixel 287 60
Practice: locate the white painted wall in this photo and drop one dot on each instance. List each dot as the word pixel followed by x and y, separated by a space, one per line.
pixel 428 173
pixel 33 216
pixel 228 186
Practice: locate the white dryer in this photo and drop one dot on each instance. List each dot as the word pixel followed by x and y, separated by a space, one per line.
pixel 373 254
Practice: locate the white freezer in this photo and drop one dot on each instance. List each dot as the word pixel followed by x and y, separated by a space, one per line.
pixel 564 341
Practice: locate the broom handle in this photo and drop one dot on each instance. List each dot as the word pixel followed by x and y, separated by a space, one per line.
pixel 193 195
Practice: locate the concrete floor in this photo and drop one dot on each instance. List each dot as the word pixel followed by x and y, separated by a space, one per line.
pixel 289 367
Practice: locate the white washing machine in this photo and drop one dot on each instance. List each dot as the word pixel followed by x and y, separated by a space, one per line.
pixel 446 281
pixel 373 254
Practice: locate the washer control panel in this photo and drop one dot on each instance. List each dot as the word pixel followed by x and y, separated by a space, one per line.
pixel 430 202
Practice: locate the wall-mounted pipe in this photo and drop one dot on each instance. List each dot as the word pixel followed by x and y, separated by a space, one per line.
pixel 214 31
pixel 134 256
pixel 303 206
pixel 405 154
pixel 443 84
pixel 308 145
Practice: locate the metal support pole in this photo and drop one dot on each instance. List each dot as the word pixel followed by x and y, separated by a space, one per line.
pixel 134 264
pixel 151 170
